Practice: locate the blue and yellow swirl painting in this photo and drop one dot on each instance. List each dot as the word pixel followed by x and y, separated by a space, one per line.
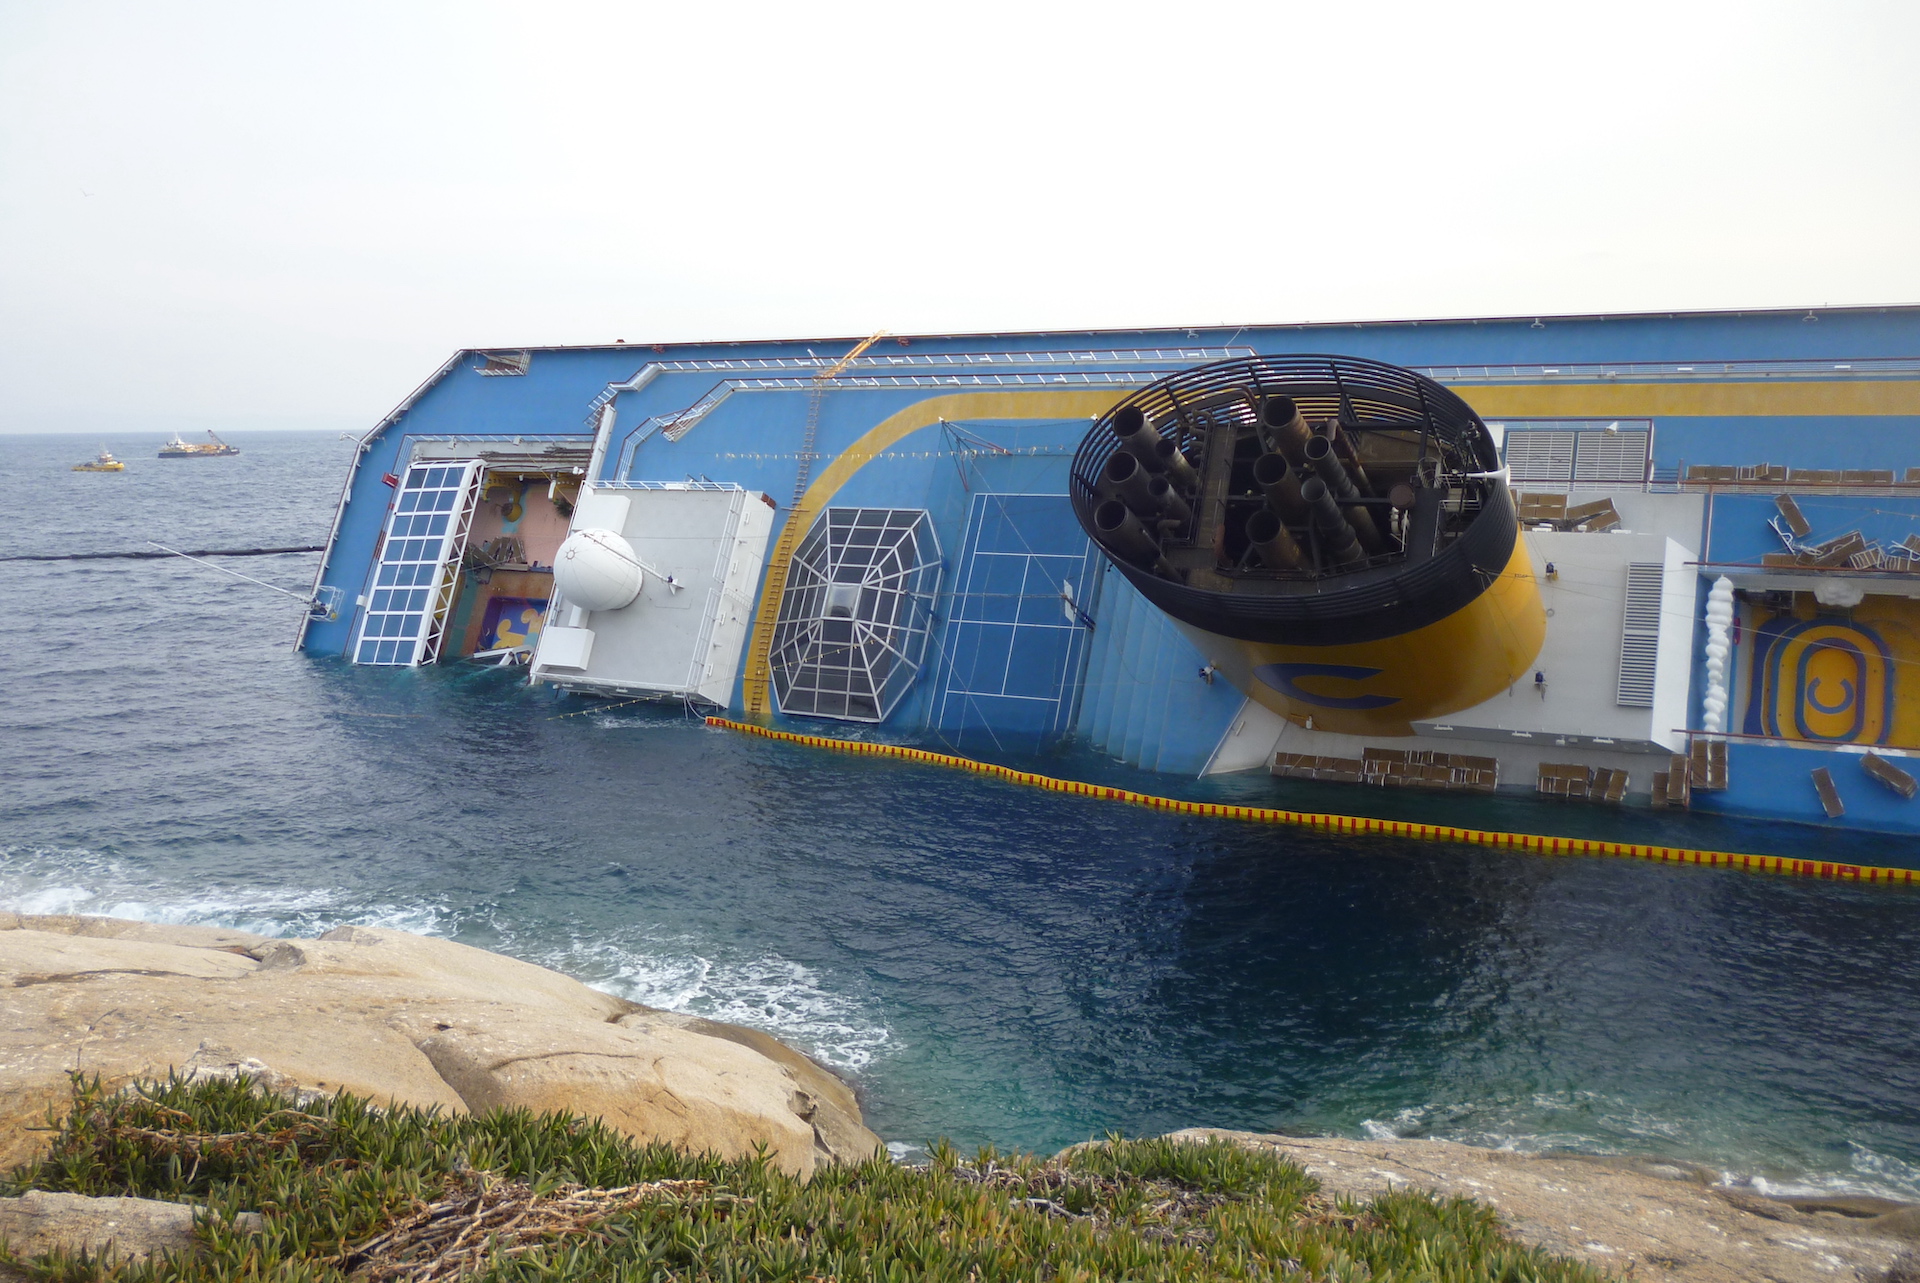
pixel 1838 679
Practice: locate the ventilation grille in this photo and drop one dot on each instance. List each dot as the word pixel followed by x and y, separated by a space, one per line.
pixel 1541 456
pixel 1640 635
pixel 1612 456
pixel 1582 451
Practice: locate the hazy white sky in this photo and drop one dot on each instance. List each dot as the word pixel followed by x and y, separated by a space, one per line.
pixel 262 214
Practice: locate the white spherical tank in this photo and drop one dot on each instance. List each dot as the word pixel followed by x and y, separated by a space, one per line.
pixel 597 570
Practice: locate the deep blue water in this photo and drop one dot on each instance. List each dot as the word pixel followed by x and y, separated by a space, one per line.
pixel 988 963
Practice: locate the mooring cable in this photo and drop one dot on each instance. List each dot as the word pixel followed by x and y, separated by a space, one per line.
pixel 303 598
pixel 155 556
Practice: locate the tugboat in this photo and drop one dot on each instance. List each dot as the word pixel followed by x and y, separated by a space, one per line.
pixel 105 463
pixel 178 449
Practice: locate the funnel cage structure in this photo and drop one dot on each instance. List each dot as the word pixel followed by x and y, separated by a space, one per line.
pixel 856 613
pixel 1313 500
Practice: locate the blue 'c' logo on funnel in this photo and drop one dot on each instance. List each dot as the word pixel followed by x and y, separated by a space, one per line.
pixel 1282 677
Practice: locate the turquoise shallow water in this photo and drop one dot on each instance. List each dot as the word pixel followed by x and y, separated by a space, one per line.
pixel 987 962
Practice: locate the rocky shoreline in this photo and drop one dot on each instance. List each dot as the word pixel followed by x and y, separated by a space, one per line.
pixel 391 1016
pixel 1639 1219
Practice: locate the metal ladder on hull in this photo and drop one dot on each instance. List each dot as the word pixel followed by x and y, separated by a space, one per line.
pixel 756 688
pixel 815 395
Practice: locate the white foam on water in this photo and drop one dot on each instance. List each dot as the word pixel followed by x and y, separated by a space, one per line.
pixel 1621 1129
pixel 49 900
pixel 613 721
pixel 763 991
pixel 1875 1174
pixel 1885 1168
pixel 53 880
pixel 1506 1125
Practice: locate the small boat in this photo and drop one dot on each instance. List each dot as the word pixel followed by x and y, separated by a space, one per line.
pixel 105 463
pixel 178 449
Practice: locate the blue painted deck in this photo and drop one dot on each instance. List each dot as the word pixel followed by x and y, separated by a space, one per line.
pixel 1741 534
pixel 1775 781
pixel 1012 650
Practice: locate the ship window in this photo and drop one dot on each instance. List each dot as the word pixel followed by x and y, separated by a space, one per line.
pixel 495 364
pixel 843 600
pixel 412 584
pixel 855 613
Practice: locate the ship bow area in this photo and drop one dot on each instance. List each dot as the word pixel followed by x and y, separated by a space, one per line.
pixel 1334 533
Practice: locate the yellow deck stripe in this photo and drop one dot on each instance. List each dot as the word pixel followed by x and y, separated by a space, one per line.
pixel 873 443
pixel 1349 823
pixel 1520 400
pixel 1651 400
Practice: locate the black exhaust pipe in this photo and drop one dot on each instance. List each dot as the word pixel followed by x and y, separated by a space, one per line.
pixel 1173 510
pixel 1121 532
pixel 1137 437
pixel 1287 430
pixel 1337 542
pixel 1343 446
pixel 1175 465
pixel 1281 484
pixel 1152 499
pixel 1327 468
pixel 1273 541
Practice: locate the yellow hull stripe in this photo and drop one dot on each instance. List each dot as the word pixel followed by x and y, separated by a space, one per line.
pixel 1355 824
pixel 1533 400
pixel 1611 400
pixel 756 695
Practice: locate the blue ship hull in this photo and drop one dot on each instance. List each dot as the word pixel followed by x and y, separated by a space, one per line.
pixel 752 477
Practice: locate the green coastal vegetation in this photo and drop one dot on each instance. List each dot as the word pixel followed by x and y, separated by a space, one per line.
pixel 344 1190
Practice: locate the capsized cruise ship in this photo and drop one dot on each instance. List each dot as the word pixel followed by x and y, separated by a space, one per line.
pixel 1663 560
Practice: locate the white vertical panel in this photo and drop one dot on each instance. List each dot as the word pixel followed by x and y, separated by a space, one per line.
pixel 1640 635
pixel 1673 686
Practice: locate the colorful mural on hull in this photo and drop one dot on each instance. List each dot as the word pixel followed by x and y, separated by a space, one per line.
pixel 511 621
pixel 1837 679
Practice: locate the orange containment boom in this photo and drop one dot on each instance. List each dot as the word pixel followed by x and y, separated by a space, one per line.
pixel 1356 824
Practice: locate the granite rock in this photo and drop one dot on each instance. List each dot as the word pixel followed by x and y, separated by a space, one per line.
pixel 131 1228
pixel 392 1017
pixel 1637 1219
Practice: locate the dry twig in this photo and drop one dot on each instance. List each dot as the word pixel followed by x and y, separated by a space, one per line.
pixel 1171 1212
pixel 487 1217
pixel 196 1144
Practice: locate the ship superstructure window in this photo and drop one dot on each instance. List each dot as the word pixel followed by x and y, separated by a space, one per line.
pixel 495 364
pixel 1578 451
pixel 855 613
pixel 413 581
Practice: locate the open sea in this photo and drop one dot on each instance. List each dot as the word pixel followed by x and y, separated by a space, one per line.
pixel 986 963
